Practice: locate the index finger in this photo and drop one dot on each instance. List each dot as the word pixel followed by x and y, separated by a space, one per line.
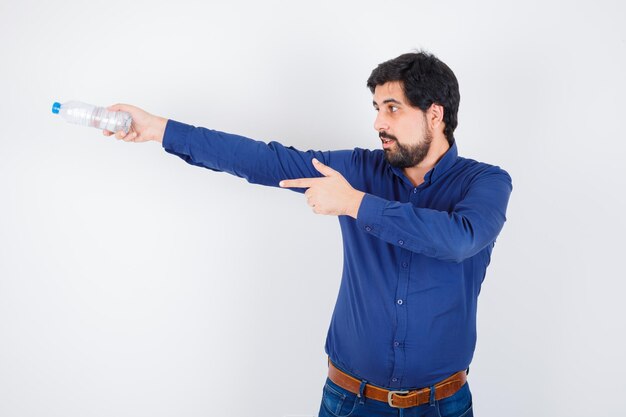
pixel 298 183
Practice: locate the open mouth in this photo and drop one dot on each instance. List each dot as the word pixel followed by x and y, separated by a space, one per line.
pixel 386 142
pixel 386 138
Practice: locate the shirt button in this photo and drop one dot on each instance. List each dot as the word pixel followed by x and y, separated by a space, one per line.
pixel 395 380
pixel 396 344
pixel 400 302
pixel 400 242
pixel 369 229
pixel 414 190
pixel 404 264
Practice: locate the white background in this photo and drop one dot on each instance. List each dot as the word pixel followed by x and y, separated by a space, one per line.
pixel 133 284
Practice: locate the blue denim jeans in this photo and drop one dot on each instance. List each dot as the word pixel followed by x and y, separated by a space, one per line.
pixel 337 402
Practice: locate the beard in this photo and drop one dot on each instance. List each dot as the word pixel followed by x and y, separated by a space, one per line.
pixel 405 156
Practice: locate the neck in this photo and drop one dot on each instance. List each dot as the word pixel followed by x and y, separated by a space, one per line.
pixel 416 173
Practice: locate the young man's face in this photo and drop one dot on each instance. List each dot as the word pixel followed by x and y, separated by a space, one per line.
pixel 402 128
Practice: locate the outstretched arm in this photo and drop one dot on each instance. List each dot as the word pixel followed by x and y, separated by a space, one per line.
pixel 256 161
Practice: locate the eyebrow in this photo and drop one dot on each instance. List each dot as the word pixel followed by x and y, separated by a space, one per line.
pixel 389 100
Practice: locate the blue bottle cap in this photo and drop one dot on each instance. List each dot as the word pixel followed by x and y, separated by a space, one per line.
pixel 56 107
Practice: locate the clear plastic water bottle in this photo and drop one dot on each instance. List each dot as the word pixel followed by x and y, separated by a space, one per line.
pixel 88 115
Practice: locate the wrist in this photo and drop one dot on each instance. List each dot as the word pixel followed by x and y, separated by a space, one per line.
pixel 160 124
pixel 356 203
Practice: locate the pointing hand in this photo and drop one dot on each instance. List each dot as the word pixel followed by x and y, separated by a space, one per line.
pixel 331 194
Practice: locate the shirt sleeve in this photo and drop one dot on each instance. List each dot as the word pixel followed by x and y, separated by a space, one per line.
pixel 256 161
pixel 474 223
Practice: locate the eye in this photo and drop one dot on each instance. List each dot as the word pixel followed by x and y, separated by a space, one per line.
pixel 393 109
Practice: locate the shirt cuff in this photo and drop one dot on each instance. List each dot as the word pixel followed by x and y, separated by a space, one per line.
pixel 175 137
pixel 370 215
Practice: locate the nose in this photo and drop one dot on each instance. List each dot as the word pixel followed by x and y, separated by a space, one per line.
pixel 380 123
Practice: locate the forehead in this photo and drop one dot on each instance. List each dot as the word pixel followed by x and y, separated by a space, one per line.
pixel 389 90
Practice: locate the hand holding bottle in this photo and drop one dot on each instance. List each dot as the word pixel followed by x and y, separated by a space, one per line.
pixel 144 127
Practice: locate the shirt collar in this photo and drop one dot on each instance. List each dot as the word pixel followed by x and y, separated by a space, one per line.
pixel 447 160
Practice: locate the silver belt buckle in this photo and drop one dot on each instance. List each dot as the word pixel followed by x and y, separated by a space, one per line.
pixel 390 395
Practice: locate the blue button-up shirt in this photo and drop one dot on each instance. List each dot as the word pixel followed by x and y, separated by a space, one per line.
pixel 414 259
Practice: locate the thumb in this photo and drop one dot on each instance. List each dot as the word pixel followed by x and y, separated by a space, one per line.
pixel 120 107
pixel 324 169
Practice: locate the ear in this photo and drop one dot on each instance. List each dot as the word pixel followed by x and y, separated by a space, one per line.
pixel 434 115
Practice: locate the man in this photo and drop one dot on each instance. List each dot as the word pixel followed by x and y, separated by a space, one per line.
pixel 419 224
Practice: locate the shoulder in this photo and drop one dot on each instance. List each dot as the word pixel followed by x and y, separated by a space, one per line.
pixel 474 174
pixel 372 159
pixel 472 169
pixel 368 169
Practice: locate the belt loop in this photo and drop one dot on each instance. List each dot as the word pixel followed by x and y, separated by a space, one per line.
pixel 432 396
pixel 361 394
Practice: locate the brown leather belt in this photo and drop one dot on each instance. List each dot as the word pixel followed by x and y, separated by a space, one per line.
pixel 398 399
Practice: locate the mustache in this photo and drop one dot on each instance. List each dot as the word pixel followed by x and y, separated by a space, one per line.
pixel 385 135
